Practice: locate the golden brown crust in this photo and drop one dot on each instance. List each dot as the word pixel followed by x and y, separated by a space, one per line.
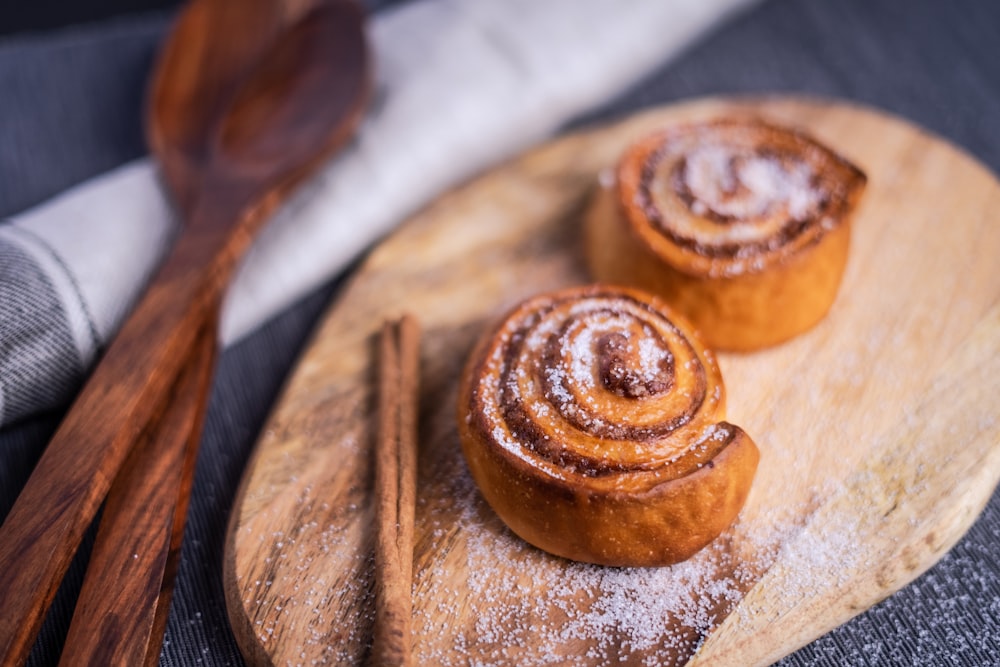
pixel 591 419
pixel 742 226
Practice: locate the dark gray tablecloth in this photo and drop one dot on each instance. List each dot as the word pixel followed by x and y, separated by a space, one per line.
pixel 70 107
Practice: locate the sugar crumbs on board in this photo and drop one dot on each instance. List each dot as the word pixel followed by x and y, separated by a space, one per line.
pixel 532 608
pixel 498 600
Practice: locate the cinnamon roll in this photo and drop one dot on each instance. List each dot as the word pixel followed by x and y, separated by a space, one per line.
pixel 592 421
pixel 742 226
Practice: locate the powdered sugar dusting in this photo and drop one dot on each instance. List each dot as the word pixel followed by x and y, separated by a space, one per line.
pixel 526 607
pixel 652 355
pixel 597 376
pixel 744 186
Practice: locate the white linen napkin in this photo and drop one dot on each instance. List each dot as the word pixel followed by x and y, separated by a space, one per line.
pixel 459 86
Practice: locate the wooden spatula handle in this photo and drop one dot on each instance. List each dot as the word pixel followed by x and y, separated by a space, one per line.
pixel 126 391
pixel 122 609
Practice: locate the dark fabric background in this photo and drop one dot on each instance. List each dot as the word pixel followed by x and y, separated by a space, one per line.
pixel 44 15
pixel 70 107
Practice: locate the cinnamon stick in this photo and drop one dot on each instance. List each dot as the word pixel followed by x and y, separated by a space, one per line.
pixel 395 490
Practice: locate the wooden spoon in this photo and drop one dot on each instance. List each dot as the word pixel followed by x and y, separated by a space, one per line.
pixel 121 611
pixel 122 608
pixel 297 105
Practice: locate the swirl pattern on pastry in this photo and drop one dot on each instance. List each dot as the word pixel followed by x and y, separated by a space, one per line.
pixel 591 419
pixel 741 225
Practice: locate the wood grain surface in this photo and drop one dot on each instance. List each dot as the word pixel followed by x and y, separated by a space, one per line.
pixel 878 430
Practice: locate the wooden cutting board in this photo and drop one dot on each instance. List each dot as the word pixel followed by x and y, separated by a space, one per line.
pixel 879 430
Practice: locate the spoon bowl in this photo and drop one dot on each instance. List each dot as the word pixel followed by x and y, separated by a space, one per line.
pixel 196 76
